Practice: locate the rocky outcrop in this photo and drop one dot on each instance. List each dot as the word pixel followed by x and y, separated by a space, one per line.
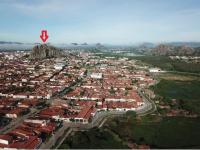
pixel 45 51
pixel 184 50
pixel 162 49
pixel 167 50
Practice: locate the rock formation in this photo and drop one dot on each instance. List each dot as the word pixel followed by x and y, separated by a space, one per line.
pixel 45 51
pixel 167 50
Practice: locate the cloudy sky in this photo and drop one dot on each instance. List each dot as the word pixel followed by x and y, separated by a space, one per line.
pixel 105 21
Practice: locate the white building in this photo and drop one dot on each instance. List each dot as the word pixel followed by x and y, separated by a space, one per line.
pixel 155 70
pixel 42 122
pixel 96 75
pixel 5 139
pixel 59 66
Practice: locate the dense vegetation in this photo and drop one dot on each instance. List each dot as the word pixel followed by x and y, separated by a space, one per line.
pixel 92 139
pixel 163 62
pixel 154 130
pixel 168 132
pixel 4 121
pixel 167 64
pixel 185 91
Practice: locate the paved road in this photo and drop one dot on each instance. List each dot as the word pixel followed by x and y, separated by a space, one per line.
pixel 16 122
pixel 98 121
pixel 148 107
pixel 55 137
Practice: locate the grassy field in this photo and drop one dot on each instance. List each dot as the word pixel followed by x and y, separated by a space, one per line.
pixel 186 91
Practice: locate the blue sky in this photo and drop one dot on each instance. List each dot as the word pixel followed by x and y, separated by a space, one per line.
pixel 105 21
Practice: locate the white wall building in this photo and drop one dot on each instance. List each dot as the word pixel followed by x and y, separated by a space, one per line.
pixel 155 70
pixel 96 75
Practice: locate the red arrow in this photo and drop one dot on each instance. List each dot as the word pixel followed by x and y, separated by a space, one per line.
pixel 44 35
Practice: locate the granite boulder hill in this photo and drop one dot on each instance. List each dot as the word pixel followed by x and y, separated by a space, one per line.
pixel 45 51
pixel 167 50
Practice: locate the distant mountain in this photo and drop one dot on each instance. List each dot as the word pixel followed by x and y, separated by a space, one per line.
pixel 4 42
pixel 189 44
pixel 146 45
pixel 100 46
pixel 74 43
pixel 45 51
pixel 170 48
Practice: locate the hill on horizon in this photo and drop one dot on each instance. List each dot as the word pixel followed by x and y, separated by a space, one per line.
pixel 45 51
